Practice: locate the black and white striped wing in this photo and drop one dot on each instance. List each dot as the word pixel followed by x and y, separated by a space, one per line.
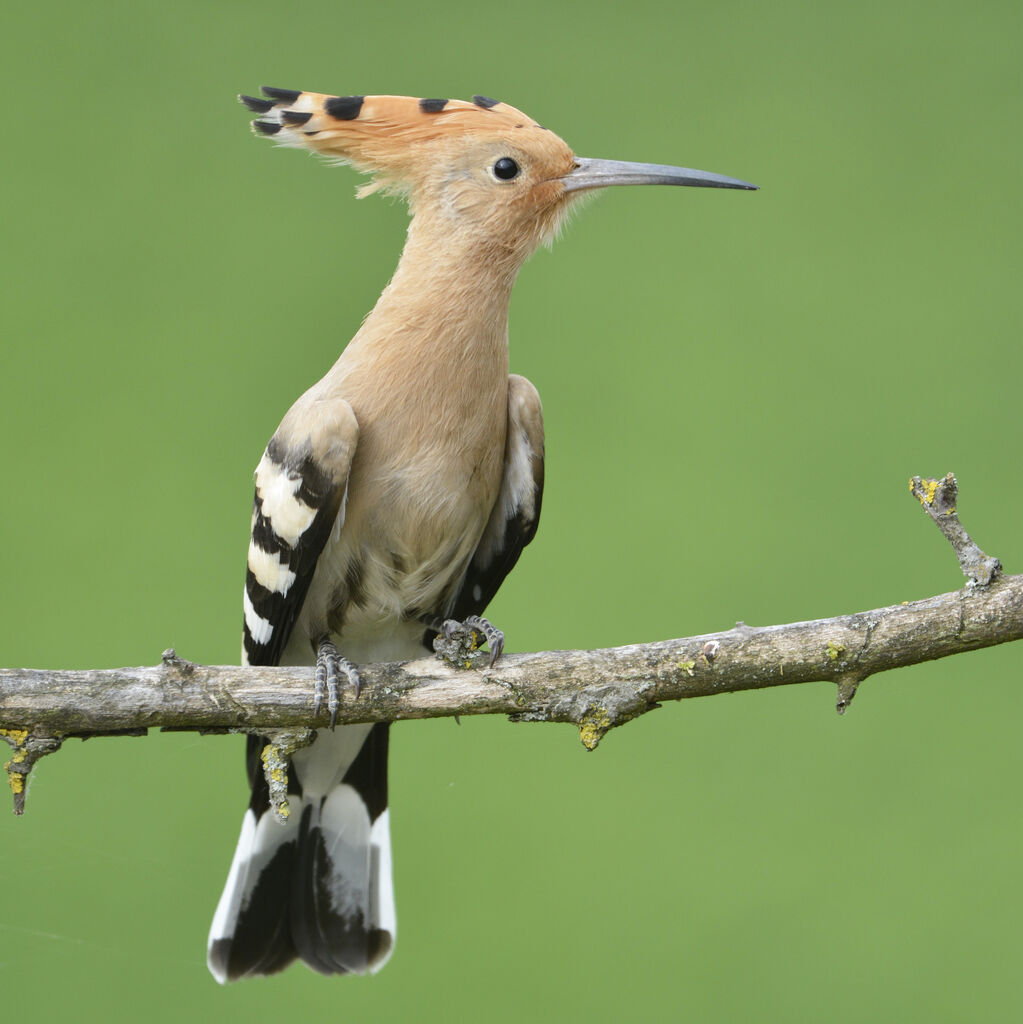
pixel 301 488
pixel 516 514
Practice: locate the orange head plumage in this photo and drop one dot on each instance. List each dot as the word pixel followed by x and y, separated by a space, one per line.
pixel 487 168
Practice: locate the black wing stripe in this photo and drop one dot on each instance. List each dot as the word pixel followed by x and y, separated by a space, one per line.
pixel 316 492
pixel 263 533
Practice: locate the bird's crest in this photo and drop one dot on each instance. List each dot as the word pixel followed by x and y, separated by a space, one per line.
pixel 388 136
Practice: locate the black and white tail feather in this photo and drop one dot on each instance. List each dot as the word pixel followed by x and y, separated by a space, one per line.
pixel 317 887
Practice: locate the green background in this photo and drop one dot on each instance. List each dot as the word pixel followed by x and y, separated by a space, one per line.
pixel 737 387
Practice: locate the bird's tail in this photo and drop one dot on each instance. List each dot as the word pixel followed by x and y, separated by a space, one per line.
pixel 319 886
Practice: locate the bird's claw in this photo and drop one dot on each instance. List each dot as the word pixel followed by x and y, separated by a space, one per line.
pixel 474 626
pixel 493 636
pixel 330 666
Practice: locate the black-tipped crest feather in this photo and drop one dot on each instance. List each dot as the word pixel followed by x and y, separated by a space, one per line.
pixel 256 105
pixel 282 95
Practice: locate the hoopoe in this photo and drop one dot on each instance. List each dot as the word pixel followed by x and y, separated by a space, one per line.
pixel 396 495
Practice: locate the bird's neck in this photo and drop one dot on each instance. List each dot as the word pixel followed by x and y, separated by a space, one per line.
pixel 448 299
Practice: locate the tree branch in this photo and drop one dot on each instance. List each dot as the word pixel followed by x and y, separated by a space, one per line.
pixel 595 690
pixel 938 498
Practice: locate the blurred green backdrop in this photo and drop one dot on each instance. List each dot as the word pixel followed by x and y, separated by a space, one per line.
pixel 737 388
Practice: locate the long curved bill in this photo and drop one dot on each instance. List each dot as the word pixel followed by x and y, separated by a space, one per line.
pixel 601 173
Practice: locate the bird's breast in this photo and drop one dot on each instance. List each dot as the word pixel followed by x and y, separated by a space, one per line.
pixel 426 475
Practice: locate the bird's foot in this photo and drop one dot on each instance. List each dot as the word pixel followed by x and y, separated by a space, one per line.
pixel 493 636
pixel 330 666
pixel 459 642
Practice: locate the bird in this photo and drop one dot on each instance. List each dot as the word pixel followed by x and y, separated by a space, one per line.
pixel 395 496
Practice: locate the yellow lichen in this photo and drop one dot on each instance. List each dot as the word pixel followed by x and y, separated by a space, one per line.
pixel 15 778
pixel 275 764
pixel 687 667
pixel 834 650
pixel 593 727
pixel 928 489
pixel 275 761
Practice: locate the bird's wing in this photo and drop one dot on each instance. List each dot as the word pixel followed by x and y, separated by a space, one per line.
pixel 301 489
pixel 516 514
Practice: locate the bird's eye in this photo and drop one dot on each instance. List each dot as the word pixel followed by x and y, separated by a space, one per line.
pixel 505 169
